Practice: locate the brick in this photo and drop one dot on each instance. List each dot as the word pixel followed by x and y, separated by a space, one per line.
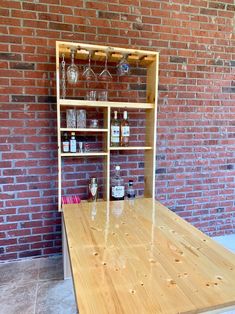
pixel 61 26
pixel 21 98
pixel 9 56
pixel 22 66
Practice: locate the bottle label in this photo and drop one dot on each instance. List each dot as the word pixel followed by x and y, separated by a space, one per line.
pixel 73 146
pixel 126 130
pixel 66 147
pixel 115 133
pixel 118 191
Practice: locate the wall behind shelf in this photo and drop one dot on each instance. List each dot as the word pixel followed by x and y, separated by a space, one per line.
pixel 195 158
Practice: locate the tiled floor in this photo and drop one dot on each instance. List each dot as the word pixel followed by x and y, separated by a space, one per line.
pixel 35 287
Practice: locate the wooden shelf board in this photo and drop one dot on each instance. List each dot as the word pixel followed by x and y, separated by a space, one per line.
pixel 88 130
pixel 84 154
pixel 104 104
pixel 131 148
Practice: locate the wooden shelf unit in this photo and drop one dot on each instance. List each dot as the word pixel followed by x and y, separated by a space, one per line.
pixel 150 60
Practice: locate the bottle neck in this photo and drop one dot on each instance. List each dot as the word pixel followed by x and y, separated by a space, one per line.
pixel 117 173
pixel 125 115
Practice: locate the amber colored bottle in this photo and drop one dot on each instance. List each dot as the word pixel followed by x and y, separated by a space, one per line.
pixel 125 130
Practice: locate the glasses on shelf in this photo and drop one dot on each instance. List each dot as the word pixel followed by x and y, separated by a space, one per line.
pixel 123 67
pixel 105 75
pixel 88 73
pixel 72 71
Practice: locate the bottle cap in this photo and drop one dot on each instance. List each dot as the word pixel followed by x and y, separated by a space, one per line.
pixel 93 180
pixel 72 133
pixel 117 167
pixel 130 182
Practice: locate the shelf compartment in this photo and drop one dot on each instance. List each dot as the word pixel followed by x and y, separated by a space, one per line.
pixel 94 154
pixel 105 104
pixel 85 130
pixel 131 148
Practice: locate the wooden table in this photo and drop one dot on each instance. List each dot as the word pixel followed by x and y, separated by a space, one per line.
pixel 139 257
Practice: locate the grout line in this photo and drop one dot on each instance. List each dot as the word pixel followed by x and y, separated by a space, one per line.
pixel 35 301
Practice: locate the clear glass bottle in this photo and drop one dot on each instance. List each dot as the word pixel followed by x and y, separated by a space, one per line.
pixel 115 131
pixel 117 186
pixel 125 130
pixel 73 143
pixel 130 190
pixel 65 143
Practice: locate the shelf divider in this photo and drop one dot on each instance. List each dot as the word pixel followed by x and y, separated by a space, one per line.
pixel 84 154
pixel 88 130
pixel 131 148
pixel 104 104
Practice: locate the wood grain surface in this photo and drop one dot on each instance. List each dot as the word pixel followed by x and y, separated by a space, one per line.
pixel 139 257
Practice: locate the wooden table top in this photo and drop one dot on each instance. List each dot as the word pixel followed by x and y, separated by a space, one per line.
pixel 139 257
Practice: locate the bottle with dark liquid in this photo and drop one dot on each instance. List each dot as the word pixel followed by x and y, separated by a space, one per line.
pixel 130 190
pixel 65 143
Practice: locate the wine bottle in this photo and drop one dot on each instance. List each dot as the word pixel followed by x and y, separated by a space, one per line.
pixel 115 131
pixel 125 130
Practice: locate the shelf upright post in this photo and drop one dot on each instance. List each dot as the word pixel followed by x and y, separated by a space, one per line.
pixel 151 128
pixel 58 122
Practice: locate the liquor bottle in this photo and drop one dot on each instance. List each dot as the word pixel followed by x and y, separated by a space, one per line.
pixel 130 190
pixel 65 143
pixel 115 131
pixel 125 130
pixel 73 143
pixel 117 186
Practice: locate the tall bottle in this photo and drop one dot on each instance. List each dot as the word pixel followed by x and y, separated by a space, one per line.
pixel 125 130
pixel 117 186
pixel 115 131
pixel 65 143
pixel 73 143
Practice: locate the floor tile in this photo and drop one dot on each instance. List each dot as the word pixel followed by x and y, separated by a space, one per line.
pixel 51 268
pixel 19 299
pixel 55 297
pixel 19 272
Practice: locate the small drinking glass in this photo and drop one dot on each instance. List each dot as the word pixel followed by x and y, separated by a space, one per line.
pixel 71 118
pixel 94 124
pixel 123 67
pixel 91 95
pixel 80 144
pixel 72 71
pixel 81 119
pixel 105 75
pixel 103 96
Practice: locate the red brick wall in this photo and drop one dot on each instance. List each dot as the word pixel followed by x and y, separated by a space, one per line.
pixel 196 128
